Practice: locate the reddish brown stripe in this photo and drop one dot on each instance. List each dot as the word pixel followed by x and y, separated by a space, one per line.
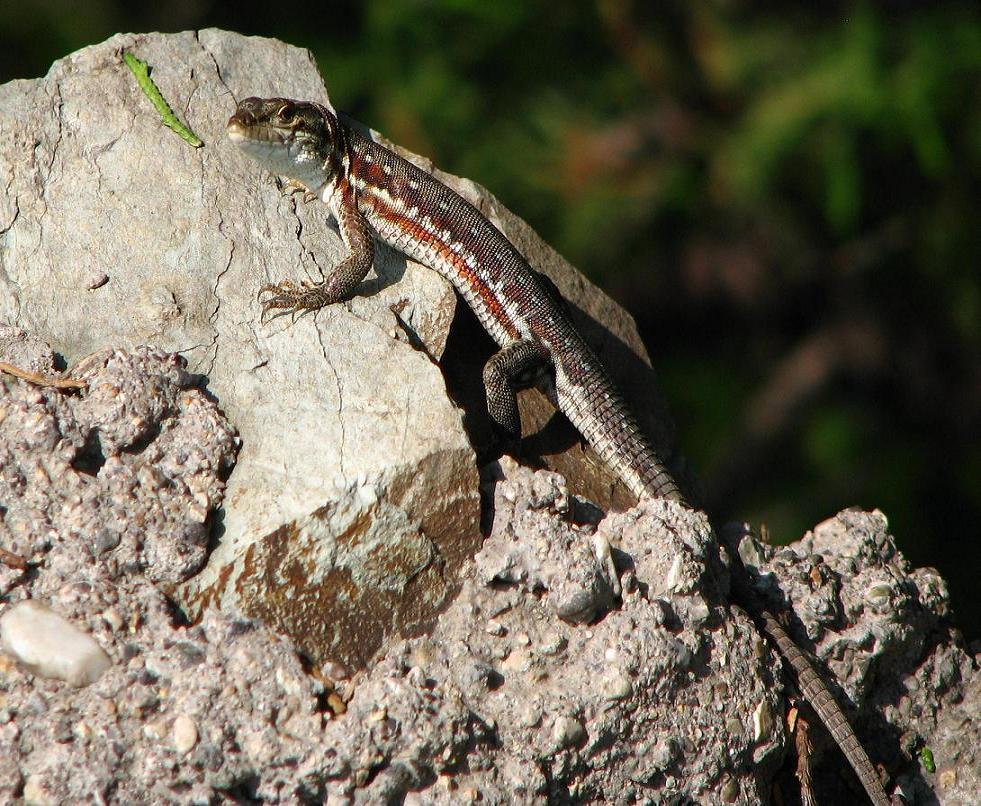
pixel 371 172
pixel 419 234
pixel 395 184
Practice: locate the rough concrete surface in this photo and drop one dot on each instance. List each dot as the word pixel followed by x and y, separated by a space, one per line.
pixel 669 697
pixel 884 631
pixel 346 635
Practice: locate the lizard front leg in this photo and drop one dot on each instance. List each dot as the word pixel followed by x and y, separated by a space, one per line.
pixel 343 278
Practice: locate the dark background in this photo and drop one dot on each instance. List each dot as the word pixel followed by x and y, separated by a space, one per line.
pixel 786 199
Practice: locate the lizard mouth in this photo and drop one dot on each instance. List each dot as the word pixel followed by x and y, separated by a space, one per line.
pixel 242 129
pixel 236 130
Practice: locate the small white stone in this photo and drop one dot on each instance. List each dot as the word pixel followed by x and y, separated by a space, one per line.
pixel 112 618
pixel 184 734
pixel 567 731
pixel 552 644
pixel 36 793
pixel 96 279
pixel 288 682
pixel 51 646
pixel 335 671
pixel 750 552
pixel 495 628
pixel 529 716
pixel 762 722
pixel 674 576
pixel 698 613
pixel 617 686
pixel 517 661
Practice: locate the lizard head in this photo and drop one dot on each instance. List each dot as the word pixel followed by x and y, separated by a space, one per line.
pixel 295 139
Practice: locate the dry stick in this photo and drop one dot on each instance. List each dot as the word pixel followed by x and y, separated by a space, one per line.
pixel 37 378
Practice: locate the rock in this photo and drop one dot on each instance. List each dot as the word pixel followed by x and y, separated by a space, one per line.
pixel 541 552
pixel 356 496
pixel 653 700
pixel 51 646
pixel 185 734
pixel 351 516
pixel 566 732
pixel 881 628
pixel 24 350
pixel 356 492
pixel 131 468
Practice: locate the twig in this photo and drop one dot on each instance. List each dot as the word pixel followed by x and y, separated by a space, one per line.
pixel 38 379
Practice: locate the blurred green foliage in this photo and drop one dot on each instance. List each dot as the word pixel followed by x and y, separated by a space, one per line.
pixel 785 195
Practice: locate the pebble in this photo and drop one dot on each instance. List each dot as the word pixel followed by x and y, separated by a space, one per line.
pixel 552 644
pixel 495 628
pixel 96 279
pixel 51 646
pixel 112 618
pixel 567 731
pixel 730 791
pixel 749 552
pixel 184 734
pixel 762 722
pixel 335 671
pixel 617 686
pixel 663 754
pixel 36 793
pixel 529 716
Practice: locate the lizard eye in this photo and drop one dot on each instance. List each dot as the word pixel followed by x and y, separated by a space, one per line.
pixel 286 115
pixel 289 116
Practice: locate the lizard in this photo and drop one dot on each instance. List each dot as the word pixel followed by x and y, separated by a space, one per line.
pixel 374 193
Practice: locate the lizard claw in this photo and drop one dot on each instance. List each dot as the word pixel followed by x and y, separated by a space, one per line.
pixel 290 297
pixel 290 187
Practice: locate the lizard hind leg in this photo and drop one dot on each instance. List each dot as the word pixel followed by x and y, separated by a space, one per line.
pixel 509 370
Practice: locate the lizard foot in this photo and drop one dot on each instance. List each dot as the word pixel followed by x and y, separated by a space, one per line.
pixel 289 297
